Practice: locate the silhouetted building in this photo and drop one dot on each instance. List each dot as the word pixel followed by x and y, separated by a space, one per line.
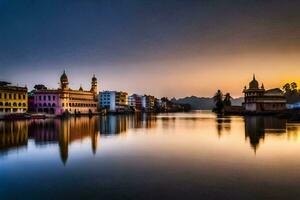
pixel 257 99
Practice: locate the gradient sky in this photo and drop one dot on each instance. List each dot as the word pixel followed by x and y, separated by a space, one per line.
pixel 165 48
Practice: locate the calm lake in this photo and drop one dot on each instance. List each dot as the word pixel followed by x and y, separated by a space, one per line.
pixel 193 155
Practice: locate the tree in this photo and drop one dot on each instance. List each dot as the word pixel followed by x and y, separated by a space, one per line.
pixel 294 87
pixel 218 100
pixel 227 99
pixel 40 87
pixel 287 88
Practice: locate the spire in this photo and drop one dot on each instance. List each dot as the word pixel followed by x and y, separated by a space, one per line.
pixel 253 76
pixel 262 86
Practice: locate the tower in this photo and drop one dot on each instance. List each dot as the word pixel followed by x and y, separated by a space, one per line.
pixel 94 85
pixel 64 81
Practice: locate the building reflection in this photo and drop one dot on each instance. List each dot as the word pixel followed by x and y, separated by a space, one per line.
pixel 13 136
pixel 258 127
pixel 63 132
pixel 118 124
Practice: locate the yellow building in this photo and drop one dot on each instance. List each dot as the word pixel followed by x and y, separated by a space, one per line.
pixel 13 99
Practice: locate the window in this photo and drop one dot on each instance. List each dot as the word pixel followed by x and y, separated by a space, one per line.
pixel 24 96
pixel 15 96
pixel 40 98
pixel 9 96
pixel 44 98
pixel 49 98
pixel 63 104
pixel 53 98
pixel 19 96
pixel 0 95
pixel 20 104
pixel 5 95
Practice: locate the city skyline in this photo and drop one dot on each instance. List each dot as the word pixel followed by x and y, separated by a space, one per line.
pixel 174 49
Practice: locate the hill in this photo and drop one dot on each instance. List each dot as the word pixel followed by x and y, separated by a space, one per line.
pixel 203 103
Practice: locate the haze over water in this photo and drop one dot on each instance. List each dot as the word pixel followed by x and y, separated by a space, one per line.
pixel 166 156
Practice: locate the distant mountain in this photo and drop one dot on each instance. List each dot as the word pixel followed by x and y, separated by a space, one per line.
pixel 204 103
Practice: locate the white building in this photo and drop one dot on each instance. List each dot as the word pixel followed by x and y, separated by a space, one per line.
pixel 114 101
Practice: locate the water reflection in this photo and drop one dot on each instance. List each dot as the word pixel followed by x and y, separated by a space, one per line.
pixel 127 157
pixel 15 134
pixel 223 125
pixel 257 127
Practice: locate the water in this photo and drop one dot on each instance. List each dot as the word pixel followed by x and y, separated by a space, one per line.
pixel 168 156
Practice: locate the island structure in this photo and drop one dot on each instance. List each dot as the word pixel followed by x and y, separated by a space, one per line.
pixel 65 100
pixel 259 100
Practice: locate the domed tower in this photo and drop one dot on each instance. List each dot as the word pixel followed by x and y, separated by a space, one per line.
pixel 64 81
pixel 94 85
pixel 253 96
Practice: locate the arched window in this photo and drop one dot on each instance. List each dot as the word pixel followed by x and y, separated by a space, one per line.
pixel 44 104
pixel 40 104
pixel 49 104
pixel 24 104
pixel 1 104
pixel 20 104
pixel 14 104
pixel 53 105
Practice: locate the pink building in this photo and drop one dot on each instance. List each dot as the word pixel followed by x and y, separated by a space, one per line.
pixel 47 101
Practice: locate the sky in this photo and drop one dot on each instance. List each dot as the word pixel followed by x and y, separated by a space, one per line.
pixel 165 48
